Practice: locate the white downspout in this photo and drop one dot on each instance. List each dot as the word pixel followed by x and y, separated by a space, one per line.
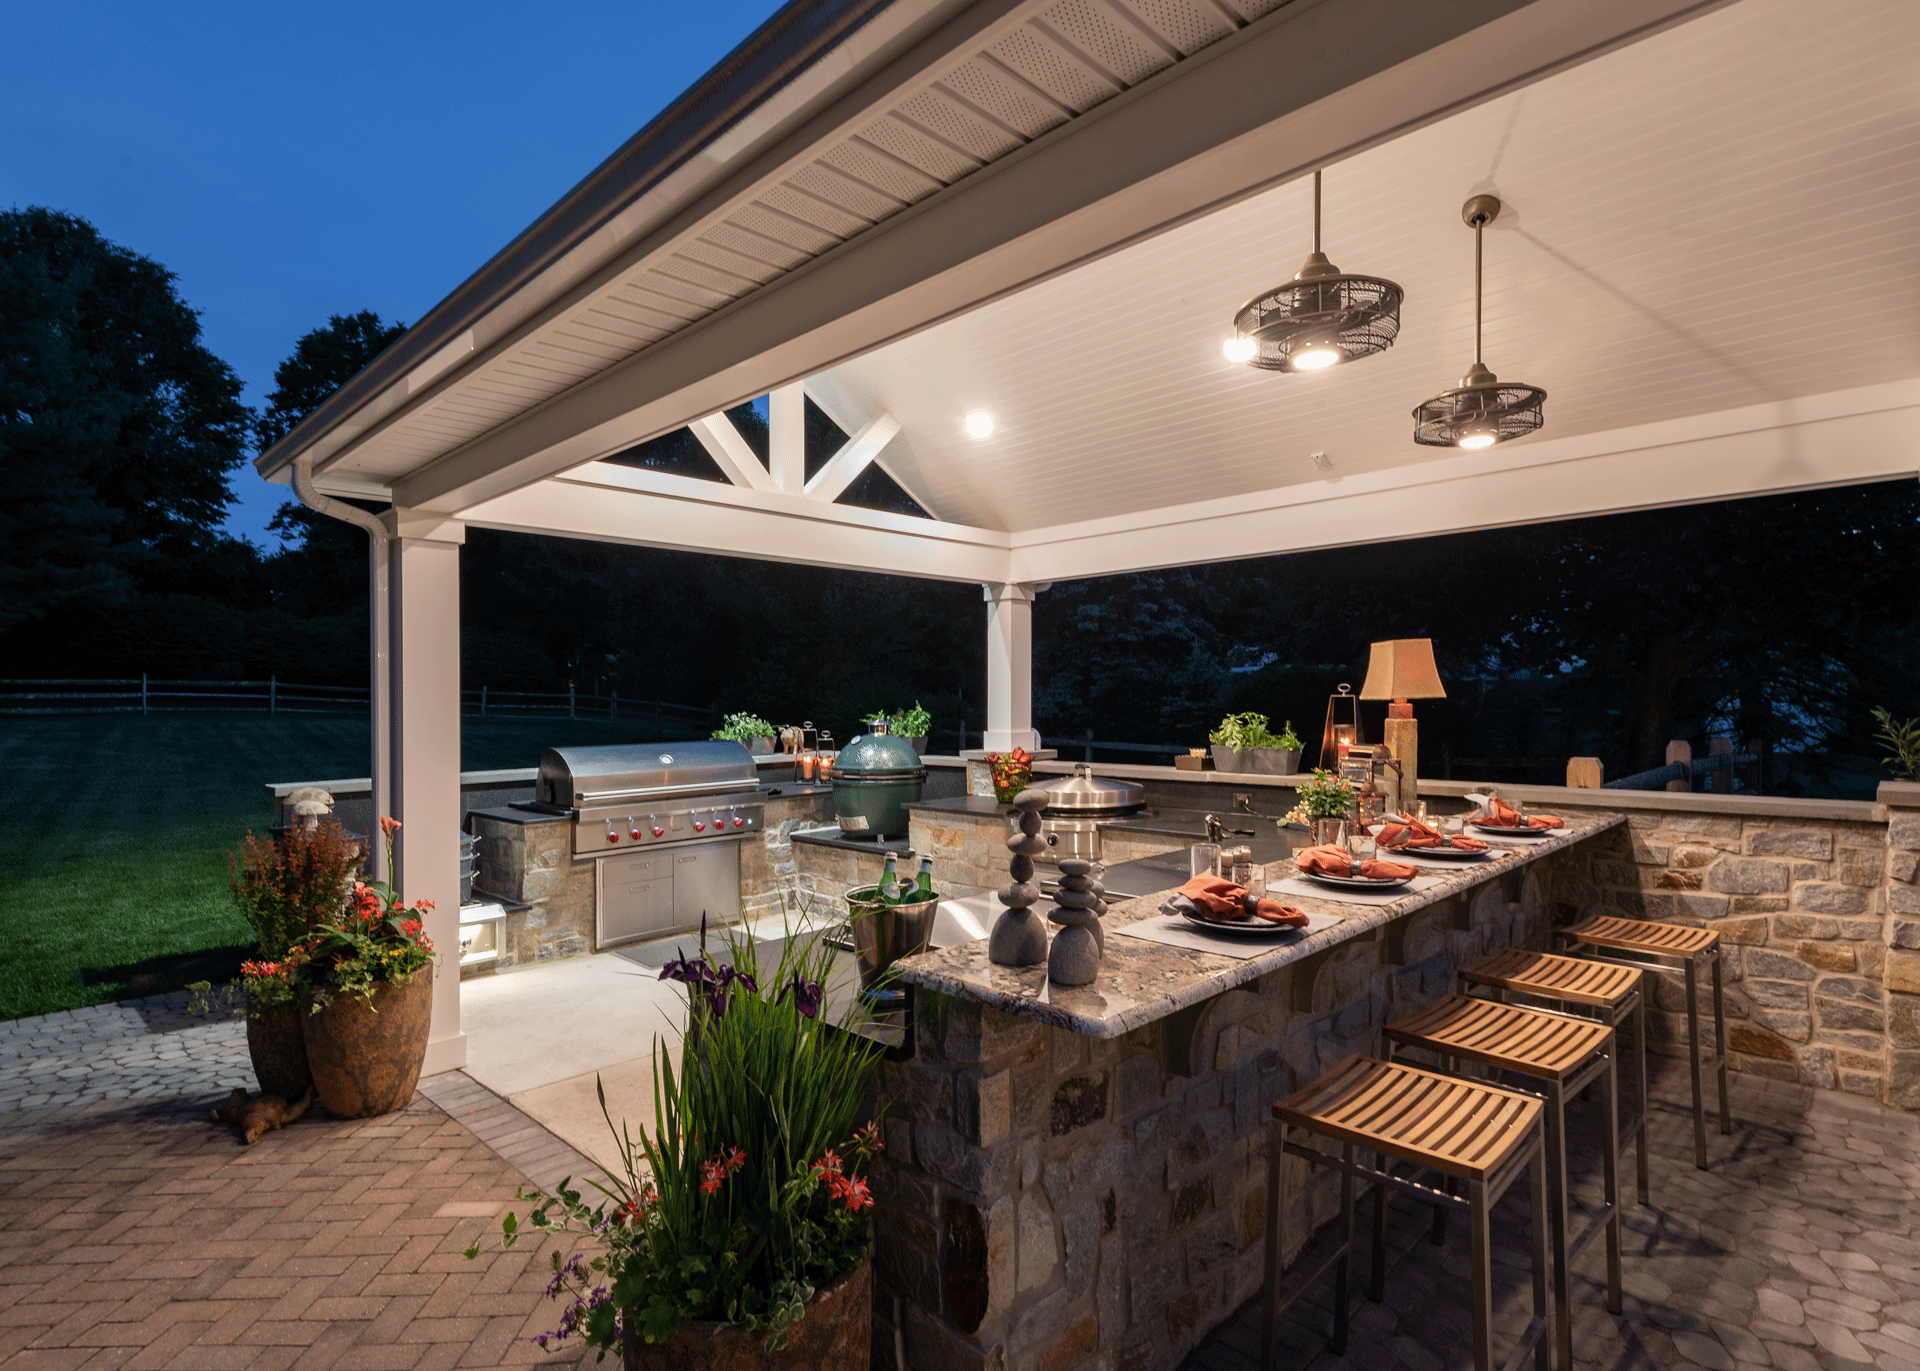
pixel 380 693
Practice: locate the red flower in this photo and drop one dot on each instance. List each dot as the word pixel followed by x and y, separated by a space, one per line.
pixel 389 825
pixel 412 927
pixel 828 1164
pixel 869 1136
pixel 423 905
pixel 260 969
pixel 856 1195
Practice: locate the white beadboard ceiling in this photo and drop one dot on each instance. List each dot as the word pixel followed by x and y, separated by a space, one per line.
pixel 1722 215
pixel 1051 64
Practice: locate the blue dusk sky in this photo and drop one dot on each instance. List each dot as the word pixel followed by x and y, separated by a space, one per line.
pixel 289 161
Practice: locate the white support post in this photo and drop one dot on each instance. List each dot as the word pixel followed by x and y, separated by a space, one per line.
pixel 1010 668
pixel 787 437
pixel 730 452
pixel 384 685
pixel 425 571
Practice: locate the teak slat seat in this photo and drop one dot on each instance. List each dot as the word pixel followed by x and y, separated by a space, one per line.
pixel 1559 1054
pixel 1600 985
pixel 1648 946
pixel 1611 993
pixel 1477 1136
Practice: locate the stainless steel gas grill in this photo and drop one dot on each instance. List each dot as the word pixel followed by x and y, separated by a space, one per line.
pixel 664 823
pixel 1076 807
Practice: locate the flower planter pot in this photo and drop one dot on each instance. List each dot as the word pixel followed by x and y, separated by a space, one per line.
pixel 366 1059
pixel 835 1334
pixel 919 744
pixel 1230 758
pixel 760 747
pixel 278 1047
pixel 1273 761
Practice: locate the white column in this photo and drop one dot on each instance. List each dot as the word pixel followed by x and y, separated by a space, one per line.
pixel 380 696
pixel 1010 667
pixel 787 437
pixel 425 644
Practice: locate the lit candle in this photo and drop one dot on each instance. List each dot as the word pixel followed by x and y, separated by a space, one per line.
pixel 1342 740
pixel 826 765
pixel 806 765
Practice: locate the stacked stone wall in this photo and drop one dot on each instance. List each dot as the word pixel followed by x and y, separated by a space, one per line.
pixel 1050 1201
pixel 1820 927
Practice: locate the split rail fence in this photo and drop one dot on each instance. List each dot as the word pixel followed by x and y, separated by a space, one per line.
pixel 273 697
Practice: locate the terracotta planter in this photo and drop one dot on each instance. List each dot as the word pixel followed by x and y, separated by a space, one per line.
pixel 366 1060
pixel 835 1334
pixel 278 1047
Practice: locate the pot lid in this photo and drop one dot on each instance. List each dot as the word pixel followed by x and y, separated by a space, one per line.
pixel 876 753
pixel 1085 791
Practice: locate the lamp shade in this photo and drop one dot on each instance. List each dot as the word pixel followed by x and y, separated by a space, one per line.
pixel 1403 669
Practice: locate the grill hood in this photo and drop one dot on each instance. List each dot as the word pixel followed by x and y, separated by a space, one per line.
pixel 582 777
pixel 1085 793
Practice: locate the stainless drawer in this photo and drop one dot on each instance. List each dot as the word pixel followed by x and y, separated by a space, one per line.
pixel 636 897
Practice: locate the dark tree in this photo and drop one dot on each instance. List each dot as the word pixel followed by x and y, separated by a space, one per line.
pixel 118 428
pixel 321 362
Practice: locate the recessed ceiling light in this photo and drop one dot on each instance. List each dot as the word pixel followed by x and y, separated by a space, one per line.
pixel 980 424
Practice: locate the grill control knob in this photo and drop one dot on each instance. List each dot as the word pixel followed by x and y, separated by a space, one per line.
pixel 612 837
pixel 718 822
pixel 738 822
pixel 699 826
pixel 657 830
pixel 633 829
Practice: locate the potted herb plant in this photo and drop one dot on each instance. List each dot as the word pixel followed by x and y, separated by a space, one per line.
pixel 286 887
pixel 750 729
pixel 1326 804
pixel 739 1233
pixel 913 725
pixel 365 975
pixel 1243 743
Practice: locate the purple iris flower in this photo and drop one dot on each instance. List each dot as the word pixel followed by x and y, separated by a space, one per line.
pixel 806 995
pixel 688 972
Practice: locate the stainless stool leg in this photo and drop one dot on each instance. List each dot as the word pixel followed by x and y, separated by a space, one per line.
pixel 1558 1220
pixel 1693 1064
pixel 1482 1257
pixel 1342 1271
pixel 1610 1171
pixel 1646 1100
pixel 1537 1173
pixel 1276 1206
pixel 1720 1043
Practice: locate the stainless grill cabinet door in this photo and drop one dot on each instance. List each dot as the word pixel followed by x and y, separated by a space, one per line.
pixel 706 879
pixel 636 897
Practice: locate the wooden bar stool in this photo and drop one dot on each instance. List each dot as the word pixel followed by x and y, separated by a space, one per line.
pixel 1559 1055
pixel 1611 994
pixel 1473 1134
pixel 1645 947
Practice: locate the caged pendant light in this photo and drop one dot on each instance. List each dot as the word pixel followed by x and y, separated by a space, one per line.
pixel 1481 410
pixel 1320 318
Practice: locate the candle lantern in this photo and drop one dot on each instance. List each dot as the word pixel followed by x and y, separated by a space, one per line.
pixel 1343 728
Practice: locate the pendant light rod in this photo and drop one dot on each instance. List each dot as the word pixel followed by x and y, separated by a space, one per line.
pixel 1480 211
pixel 1316 211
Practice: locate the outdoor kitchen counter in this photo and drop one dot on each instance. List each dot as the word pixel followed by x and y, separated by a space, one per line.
pixel 1141 982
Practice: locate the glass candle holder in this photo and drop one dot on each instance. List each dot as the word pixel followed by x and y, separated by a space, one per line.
pixel 807 763
pixel 823 767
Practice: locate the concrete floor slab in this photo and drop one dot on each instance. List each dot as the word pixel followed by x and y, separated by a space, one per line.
pixel 557 1022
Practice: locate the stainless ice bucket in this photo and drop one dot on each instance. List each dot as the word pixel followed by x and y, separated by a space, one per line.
pixel 884 933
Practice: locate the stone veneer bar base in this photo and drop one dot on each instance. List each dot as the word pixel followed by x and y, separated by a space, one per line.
pixel 1052 1199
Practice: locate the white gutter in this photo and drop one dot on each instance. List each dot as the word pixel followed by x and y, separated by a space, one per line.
pixel 379 694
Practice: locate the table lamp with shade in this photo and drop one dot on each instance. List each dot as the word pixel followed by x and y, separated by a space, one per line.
pixel 1400 671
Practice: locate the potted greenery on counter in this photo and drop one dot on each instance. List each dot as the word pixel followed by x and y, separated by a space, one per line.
pixel 911 724
pixel 750 729
pixel 1244 743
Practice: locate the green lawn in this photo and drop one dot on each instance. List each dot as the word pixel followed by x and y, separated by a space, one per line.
pixel 114 831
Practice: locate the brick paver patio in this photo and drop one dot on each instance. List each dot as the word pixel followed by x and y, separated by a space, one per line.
pixel 1796 1250
pixel 140 1235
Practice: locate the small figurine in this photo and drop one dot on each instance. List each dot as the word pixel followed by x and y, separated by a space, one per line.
pixel 1074 958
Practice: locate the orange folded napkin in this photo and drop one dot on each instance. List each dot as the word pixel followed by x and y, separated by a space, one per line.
pixel 1222 901
pixel 1500 814
pixel 1334 861
pixel 1403 832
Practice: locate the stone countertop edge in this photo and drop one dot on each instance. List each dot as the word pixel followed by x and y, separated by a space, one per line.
pixel 1170 979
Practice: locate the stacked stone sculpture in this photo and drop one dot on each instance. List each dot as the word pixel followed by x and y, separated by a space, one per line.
pixel 1019 936
pixel 1077 948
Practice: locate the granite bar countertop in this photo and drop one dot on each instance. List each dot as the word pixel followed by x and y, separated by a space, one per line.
pixel 1141 982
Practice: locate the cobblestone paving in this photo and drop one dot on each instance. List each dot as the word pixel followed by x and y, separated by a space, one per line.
pixel 1797 1249
pixel 152 1049
pixel 140 1235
